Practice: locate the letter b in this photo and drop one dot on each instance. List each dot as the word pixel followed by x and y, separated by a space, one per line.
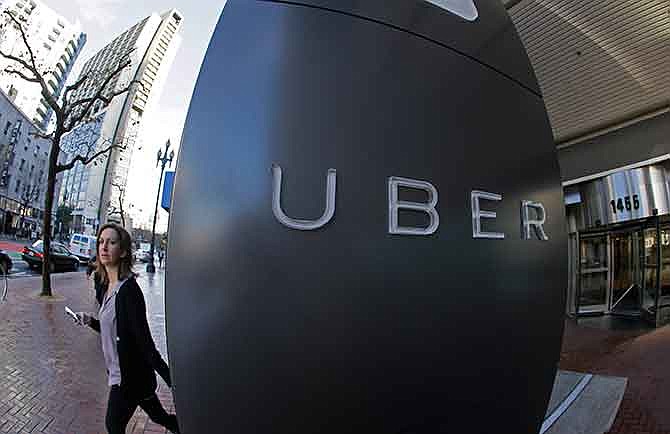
pixel 428 207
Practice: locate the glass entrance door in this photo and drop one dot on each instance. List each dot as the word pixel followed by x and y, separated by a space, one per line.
pixel 593 274
pixel 626 272
pixel 627 257
pixel 650 275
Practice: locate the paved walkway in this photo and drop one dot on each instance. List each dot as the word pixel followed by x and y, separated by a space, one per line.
pixel 52 375
pixel 53 380
pixel 642 355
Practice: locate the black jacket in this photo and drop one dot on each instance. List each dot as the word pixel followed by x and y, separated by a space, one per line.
pixel 138 356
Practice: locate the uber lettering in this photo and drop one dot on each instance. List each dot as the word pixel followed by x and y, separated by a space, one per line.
pixel 429 208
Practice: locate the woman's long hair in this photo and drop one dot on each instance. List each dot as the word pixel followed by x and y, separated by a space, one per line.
pixel 126 264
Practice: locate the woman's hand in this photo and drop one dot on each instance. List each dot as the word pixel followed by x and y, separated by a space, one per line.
pixel 84 318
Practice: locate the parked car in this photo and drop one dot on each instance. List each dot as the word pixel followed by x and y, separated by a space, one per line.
pixel 83 246
pixel 61 257
pixel 5 261
pixel 141 256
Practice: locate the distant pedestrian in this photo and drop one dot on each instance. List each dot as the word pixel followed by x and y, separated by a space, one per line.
pixel 128 348
pixel 160 258
pixel 90 266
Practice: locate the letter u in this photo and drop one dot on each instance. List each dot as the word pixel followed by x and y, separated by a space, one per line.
pixel 300 224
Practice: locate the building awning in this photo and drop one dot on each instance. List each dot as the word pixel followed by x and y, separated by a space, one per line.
pixel 599 63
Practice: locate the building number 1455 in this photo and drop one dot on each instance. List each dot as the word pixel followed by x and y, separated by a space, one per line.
pixel 624 203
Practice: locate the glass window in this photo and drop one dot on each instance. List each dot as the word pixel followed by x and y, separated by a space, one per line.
pixel 593 273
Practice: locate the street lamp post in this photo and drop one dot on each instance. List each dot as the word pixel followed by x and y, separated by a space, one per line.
pixel 162 159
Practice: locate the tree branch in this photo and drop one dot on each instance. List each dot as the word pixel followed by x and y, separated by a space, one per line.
pixel 85 159
pixel 98 97
pixel 25 39
pixel 84 141
pixel 21 74
pixel 88 102
pixel 32 67
pixel 37 134
pixel 74 87
pixel 18 60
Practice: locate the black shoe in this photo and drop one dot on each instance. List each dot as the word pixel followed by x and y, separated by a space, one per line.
pixel 172 425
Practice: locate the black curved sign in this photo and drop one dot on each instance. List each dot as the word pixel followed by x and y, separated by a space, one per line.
pixel 367 230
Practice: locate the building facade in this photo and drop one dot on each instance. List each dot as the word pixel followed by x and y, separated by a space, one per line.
pixel 56 44
pixel 606 84
pixel 23 172
pixel 95 191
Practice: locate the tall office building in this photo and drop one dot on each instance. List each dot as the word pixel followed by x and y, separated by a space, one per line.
pixel 55 43
pixel 93 191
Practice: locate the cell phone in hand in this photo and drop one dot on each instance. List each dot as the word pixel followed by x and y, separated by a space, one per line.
pixel 73 315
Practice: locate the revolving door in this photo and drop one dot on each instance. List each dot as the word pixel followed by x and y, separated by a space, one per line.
pixel 625 271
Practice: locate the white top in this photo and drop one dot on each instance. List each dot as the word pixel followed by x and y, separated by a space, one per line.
pixel 107 317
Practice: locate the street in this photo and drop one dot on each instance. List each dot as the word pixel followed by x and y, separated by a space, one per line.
pixel 19 266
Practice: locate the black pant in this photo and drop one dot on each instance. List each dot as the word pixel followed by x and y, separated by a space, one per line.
pixel 120 409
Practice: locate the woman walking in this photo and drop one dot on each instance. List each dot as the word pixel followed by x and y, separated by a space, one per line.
pixel 129 350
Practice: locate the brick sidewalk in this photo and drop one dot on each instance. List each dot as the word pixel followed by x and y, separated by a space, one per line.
pixel 643 356
pixel 52 374
pixel 53 380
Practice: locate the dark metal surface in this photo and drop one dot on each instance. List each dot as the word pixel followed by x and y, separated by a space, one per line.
pixel 490 40
pixel 347 329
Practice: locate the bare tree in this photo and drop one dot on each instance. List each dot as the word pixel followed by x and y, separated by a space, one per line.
pixel 71 112
pixel 113 209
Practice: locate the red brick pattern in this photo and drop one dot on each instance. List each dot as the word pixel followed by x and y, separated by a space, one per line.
pixel 643 356
pixel 52 375
pixel 53 380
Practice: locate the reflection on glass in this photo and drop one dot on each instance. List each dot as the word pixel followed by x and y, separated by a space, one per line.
pixel 594 253
pixel 593 275
pixel 650 270
pixel 663 316
pixel 593 290
pixel 665 267
pixel 625 272
pixel 622 263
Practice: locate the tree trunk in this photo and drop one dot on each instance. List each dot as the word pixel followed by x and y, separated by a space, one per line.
pixel 123 218
pixel 48 205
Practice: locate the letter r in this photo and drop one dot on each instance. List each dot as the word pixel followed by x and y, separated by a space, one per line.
pixel 537 224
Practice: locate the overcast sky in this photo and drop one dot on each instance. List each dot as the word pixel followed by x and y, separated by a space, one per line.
pixel 102 21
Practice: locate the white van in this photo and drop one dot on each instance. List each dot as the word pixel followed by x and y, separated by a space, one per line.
pixel 83 246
